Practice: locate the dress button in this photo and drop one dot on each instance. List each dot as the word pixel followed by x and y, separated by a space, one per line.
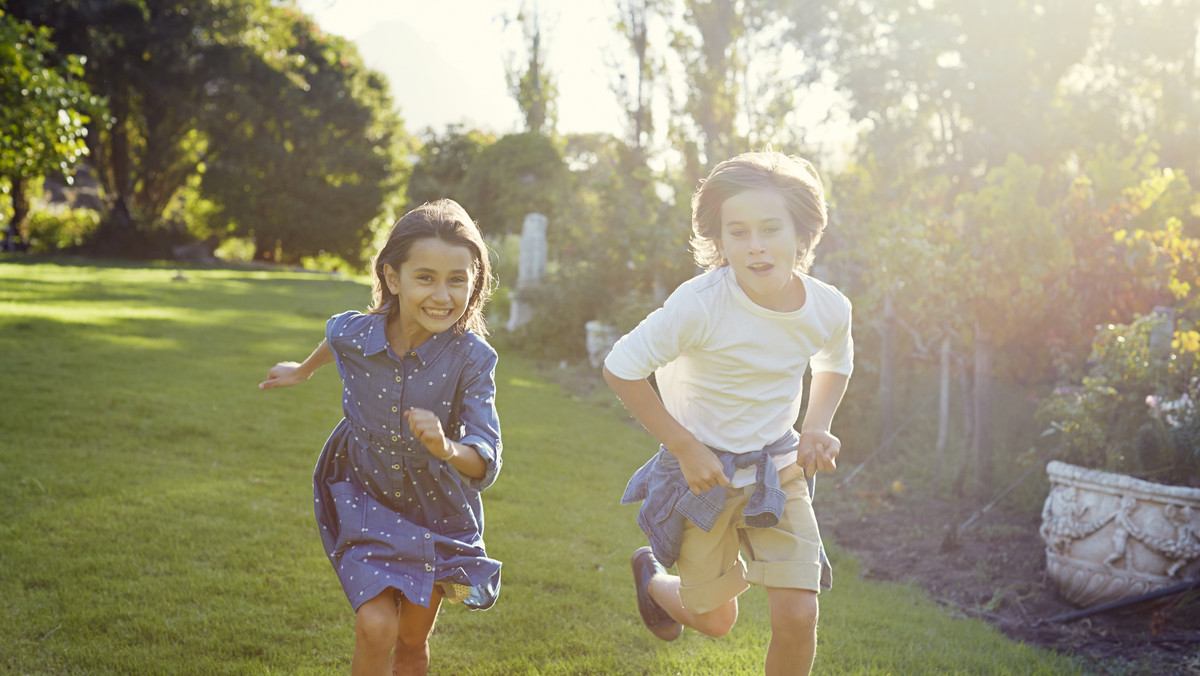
pixel 427 536
pixel 393 409
pixel 397 494
pixel 397 378
pixel 428 566
pixel 393 437
pixel 395 466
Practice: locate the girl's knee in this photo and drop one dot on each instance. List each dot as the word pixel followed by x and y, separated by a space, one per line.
pixel 414 636
pixel 375 624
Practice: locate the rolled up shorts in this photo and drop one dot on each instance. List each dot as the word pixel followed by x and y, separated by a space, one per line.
pixel 711 569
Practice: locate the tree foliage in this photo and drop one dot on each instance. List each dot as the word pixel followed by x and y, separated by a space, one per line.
pixel 45 108
pixel 517 175
pixel 443 161
pixel 303 150
pixel 180 78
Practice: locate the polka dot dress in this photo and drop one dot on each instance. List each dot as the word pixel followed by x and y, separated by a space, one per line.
pixel 391 515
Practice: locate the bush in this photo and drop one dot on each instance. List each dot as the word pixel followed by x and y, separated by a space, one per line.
pixel 562 304
pixel 60 227
pixel 1133 412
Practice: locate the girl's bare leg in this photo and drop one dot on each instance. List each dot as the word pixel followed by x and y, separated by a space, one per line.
pixel 375 627
pixel 416 622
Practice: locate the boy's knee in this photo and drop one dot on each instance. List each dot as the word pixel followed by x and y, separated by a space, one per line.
pixel 717 623
pixel 794 611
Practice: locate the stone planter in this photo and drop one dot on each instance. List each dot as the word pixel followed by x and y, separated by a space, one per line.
pixel 1111 536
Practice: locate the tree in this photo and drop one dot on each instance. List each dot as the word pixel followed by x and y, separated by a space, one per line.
pixel 532 85
pixel 443 162
pixel 303 151
pixel 44 111
pixel 1012 255
pixel 517 175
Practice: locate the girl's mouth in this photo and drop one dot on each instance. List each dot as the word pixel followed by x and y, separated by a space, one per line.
pixel 760 268
pixel 436 313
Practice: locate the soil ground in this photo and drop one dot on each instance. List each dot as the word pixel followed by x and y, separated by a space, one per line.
pixel 996 570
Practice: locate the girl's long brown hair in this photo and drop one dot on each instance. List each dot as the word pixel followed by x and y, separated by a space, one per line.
pixel 446 220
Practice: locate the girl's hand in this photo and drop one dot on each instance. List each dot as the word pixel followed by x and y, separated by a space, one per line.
pixel 818 452
pixel 700 467
pixel 427 428
pixel 284 374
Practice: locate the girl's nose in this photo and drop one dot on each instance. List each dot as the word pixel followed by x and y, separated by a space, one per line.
pixel 442 292
pixel 756 242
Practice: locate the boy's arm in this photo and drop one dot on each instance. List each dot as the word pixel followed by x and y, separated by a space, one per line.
pixel 818 448
pixel 699 464
pixel 287 373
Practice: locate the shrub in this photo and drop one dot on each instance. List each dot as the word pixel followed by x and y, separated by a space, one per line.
pixel 60 227
pixel 1133 411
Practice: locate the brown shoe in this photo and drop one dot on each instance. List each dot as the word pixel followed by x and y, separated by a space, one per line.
pixel 645 566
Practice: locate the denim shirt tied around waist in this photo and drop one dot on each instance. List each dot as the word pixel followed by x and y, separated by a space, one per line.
pixel 667 501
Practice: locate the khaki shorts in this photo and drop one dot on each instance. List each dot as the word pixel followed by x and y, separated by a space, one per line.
pixel 710 566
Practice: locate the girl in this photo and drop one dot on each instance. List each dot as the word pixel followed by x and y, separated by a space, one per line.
pixel 397 483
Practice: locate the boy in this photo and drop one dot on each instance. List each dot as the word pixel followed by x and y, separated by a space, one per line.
pixel 729 349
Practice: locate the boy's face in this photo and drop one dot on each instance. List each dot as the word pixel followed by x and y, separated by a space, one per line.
pixel 759 240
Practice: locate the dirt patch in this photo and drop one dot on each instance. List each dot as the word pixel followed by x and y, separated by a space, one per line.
pixel 996 570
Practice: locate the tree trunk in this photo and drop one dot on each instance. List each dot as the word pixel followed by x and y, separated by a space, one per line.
pixel 939 450
pixel 983 412
pixel 20 205
pixel 968 395
pixel 887 371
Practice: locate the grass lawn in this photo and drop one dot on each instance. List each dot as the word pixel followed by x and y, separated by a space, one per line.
pixel 156 507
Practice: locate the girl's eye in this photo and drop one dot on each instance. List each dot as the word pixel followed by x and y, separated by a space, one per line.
pixel 459 280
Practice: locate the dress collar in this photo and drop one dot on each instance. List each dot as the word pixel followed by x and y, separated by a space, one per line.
pixel 376 342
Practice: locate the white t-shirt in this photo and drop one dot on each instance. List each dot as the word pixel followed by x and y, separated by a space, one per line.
pixel 730 370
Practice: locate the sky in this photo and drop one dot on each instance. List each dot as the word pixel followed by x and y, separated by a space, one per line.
pixel 446 60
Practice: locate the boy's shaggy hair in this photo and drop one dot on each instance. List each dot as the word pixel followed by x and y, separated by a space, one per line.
pixel 794 178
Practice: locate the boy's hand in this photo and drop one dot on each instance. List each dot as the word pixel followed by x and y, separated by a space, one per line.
pixel 700 467
pixel 427 428
pixel 284 374
pixel 818 452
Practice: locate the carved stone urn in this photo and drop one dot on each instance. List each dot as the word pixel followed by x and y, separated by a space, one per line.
pixel 1111 536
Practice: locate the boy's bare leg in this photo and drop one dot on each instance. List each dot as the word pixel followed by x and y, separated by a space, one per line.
pixel 664 589
pixel 411 657
pixel 793 631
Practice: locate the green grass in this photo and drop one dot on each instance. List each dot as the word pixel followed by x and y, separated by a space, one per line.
pixel 155 507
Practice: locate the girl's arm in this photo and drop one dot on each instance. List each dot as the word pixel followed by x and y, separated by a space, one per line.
pixel 287 373
pixel 427 428
pixel 699 464
pixel 818 448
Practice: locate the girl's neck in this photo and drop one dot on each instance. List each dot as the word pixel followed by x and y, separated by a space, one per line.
pixel 403 339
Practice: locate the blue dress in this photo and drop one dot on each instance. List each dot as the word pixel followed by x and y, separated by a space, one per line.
pixel 392 515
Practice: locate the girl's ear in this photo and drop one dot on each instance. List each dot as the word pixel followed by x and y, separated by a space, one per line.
pixel 392 278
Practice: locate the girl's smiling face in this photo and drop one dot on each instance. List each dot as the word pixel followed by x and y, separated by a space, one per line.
pixel 759 240
pixel 432 288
